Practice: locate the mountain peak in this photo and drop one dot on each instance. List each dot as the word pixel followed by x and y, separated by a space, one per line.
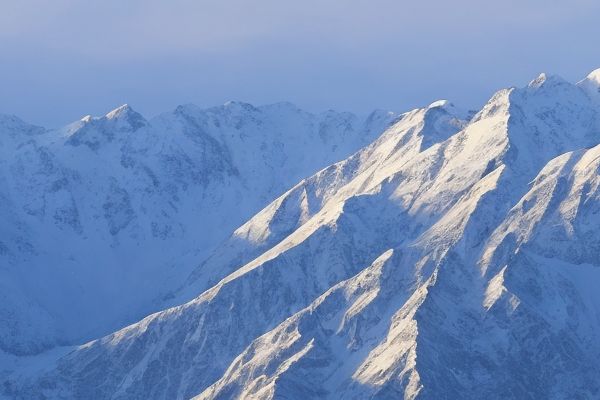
pixel 594 76
pixel 440 103
pixel 449 108
pixel 539 81
pixel 591 84
pixel 127 116
pixel 544 79
pixel 94 131
pixel 125 109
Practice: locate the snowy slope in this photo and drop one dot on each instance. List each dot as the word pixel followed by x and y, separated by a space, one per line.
pixel 105 216
pixel 454 257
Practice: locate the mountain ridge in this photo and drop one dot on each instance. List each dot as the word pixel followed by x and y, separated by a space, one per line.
pixel 110 203
pixel 453 257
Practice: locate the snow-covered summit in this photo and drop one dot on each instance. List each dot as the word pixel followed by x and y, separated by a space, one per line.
pixel 120 111
pixel 546 80
pixel 591 85
pixel 594 76
pixel 97 132
pixel 127 115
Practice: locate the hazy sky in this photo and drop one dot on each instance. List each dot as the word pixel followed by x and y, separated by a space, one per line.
pixel 62 59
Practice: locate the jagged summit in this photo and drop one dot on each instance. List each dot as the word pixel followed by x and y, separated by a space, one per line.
pixel 126 116
pixel 540 80
pixel 451 108
pixel 591 84
pixel 594 76
pixel 545 79
pixel 97 132
pixel 531 122
pixel 119 111
pixel 441 104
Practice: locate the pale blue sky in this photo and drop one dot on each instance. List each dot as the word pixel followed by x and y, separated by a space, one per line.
pixel 62 59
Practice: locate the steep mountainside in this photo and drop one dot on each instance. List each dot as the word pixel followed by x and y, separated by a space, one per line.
pixel 456 256
pixel 104 217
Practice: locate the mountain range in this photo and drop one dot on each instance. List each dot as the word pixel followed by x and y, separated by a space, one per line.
pixel 434 254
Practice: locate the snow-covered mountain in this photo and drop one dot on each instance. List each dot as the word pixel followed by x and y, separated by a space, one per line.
pixel 102 218
pixel 454 257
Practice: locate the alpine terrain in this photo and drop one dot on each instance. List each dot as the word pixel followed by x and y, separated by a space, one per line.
pixel 106 216
pixel 451 255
